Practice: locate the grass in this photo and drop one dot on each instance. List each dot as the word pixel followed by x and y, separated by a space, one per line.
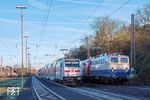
pixel 3 79
pixel 11 82
pixel 2 90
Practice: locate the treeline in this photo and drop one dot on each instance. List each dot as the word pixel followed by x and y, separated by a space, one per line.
pixel 111 35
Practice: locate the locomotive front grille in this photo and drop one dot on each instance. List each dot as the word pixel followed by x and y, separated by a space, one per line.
pixel 119 67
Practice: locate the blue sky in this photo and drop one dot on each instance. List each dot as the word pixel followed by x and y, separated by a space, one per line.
pixel 68 20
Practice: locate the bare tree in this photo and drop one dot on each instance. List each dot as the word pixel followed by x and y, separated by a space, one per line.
pixel 105 29
pixel 143 27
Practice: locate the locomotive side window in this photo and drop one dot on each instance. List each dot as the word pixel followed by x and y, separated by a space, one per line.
pixel 105 61
pixel 124 60
pixel 101 61
pixel 96 62
pixel 114 60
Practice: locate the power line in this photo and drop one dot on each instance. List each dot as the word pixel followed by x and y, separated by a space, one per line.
pixel 44 18
pixel 89 18
pixel 114 11
pixel 4 44
pixel 118 8
pixel 77 38
pixel 85 21
pixel 92 13
pixel 44 24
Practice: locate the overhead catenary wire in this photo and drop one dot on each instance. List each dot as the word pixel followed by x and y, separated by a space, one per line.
pixel 7 48
pixel 44 20
pixel 78 27
pixel 44 24
pixel 81 25
pixel 114 11
pixel 85 21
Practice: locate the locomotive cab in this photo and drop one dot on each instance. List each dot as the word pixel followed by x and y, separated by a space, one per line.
pixel 72 70
pixel 120 66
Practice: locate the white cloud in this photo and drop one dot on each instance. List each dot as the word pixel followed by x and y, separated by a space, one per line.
pixel 37 4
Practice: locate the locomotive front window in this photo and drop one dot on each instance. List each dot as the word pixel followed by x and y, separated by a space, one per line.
pixel 124 60
pixel 114 60
pixel 72 64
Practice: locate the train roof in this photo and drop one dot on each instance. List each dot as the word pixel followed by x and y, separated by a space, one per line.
pixel 105 55
pixel 111 54
pixel 72 59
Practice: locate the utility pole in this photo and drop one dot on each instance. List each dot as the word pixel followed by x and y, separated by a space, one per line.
pixel 88 47
pixel 28 59
pixel 1 61
pixel 133 53
pixel 26 51
pixel 29 63
pixel 21 15
pixel 1 65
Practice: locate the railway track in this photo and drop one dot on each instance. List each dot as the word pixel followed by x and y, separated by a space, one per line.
pixel 44 93
pixel 138 91
pixel 97 94
pixel 142 92
pixel 144 88
pixel 139 88
pixel 103 95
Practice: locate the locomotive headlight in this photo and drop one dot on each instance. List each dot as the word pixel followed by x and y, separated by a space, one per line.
pixel 79 78
pixel 126 69
pixel 112 69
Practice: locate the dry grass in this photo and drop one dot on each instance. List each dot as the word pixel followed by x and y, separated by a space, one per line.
pixel 3 79
pixel 2 90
